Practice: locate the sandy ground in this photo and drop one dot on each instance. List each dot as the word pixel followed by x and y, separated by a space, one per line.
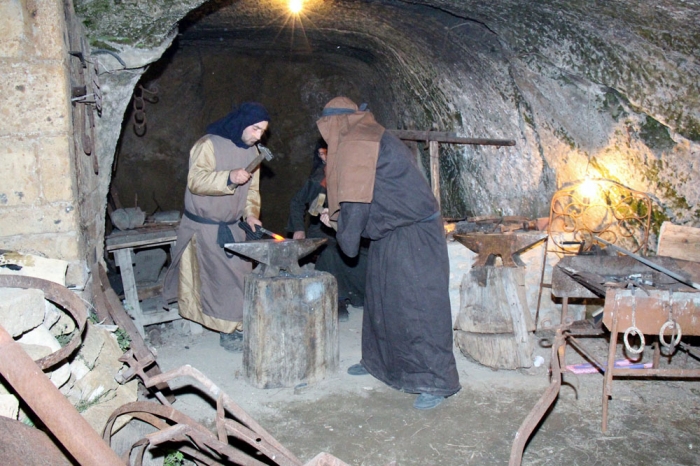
pixel 363 422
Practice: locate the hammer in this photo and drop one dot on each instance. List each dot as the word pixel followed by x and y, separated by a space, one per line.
pixel 316 207
pixel 263 153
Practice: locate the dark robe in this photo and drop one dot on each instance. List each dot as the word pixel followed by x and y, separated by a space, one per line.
pixel 300 203
pixel 349 272
pixel 407 323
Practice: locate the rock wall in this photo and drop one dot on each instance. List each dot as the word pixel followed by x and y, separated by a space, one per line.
pixel 38 194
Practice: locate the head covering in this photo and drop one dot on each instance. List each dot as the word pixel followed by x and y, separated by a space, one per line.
pixel 232 125
pixel 353 137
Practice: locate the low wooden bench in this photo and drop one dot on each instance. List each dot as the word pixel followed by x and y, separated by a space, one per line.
pixel 122 244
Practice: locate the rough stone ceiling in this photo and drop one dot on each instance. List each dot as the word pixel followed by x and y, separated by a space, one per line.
pixel 629 45
pixel 569 80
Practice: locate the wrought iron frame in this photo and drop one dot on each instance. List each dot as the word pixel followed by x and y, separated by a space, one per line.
pixel 626 214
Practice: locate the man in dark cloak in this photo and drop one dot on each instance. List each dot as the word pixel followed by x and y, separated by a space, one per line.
pixel 376 191
pixel 206 280
pixel 349 272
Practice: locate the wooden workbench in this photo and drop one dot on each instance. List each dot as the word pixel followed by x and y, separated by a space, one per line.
pixel 122 244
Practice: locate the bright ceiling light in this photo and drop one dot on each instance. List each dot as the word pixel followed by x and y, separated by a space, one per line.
pixel 295 6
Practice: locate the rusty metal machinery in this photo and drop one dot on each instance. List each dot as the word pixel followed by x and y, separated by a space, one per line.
pixel 16 437
pixel 254 445
pixel 581 211
pixel 542 406
pixel 251 445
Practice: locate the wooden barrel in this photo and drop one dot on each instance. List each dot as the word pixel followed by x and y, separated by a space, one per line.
pixel 290 329
pixel 494 322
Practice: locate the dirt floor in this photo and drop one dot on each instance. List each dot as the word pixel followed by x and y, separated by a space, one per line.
pixel 363 422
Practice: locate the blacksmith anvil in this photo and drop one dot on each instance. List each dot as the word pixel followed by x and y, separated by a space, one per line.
pixel 275 255
pixel 506 245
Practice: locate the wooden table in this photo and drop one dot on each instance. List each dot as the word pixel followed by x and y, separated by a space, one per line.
pixel 122 244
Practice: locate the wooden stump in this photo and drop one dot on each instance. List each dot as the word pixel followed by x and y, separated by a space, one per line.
pixel 290 329
pixel 494 322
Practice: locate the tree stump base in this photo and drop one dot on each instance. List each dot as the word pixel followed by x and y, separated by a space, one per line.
pixel 290 329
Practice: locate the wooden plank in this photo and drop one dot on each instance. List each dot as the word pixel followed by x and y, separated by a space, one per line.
pixel 518 308
pixel 159 317
pixel 148 292
pixel 140 238
pixel 519 280
pixel 447 137
pixel 679 242
pixel 435 170
pixel 143 243
pixel 98 297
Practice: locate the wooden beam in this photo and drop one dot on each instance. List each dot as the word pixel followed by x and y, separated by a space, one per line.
pixel 143 237
pixel 138 244
pixel 447 137
pixel 414 135
pixel 147 292
pixel 435 169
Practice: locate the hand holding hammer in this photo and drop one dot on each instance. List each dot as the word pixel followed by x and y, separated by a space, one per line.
pixel 242 175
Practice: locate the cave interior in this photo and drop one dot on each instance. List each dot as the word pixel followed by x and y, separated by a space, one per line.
pixel 585 89
pixel 583 92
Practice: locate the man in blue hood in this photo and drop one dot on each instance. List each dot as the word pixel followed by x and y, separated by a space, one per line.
pixel 205 279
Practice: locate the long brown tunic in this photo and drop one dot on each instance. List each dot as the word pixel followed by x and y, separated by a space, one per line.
pixel 207 283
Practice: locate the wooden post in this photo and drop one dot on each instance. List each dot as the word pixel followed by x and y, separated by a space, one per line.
pixel 131 295
pixel 435 169
pixel 435 137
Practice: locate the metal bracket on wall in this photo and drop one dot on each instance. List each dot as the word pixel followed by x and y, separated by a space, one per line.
pixel 141 96
pixel 86 97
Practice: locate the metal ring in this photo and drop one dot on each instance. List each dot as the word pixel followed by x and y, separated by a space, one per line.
pixel 634 331
pixel 675 337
